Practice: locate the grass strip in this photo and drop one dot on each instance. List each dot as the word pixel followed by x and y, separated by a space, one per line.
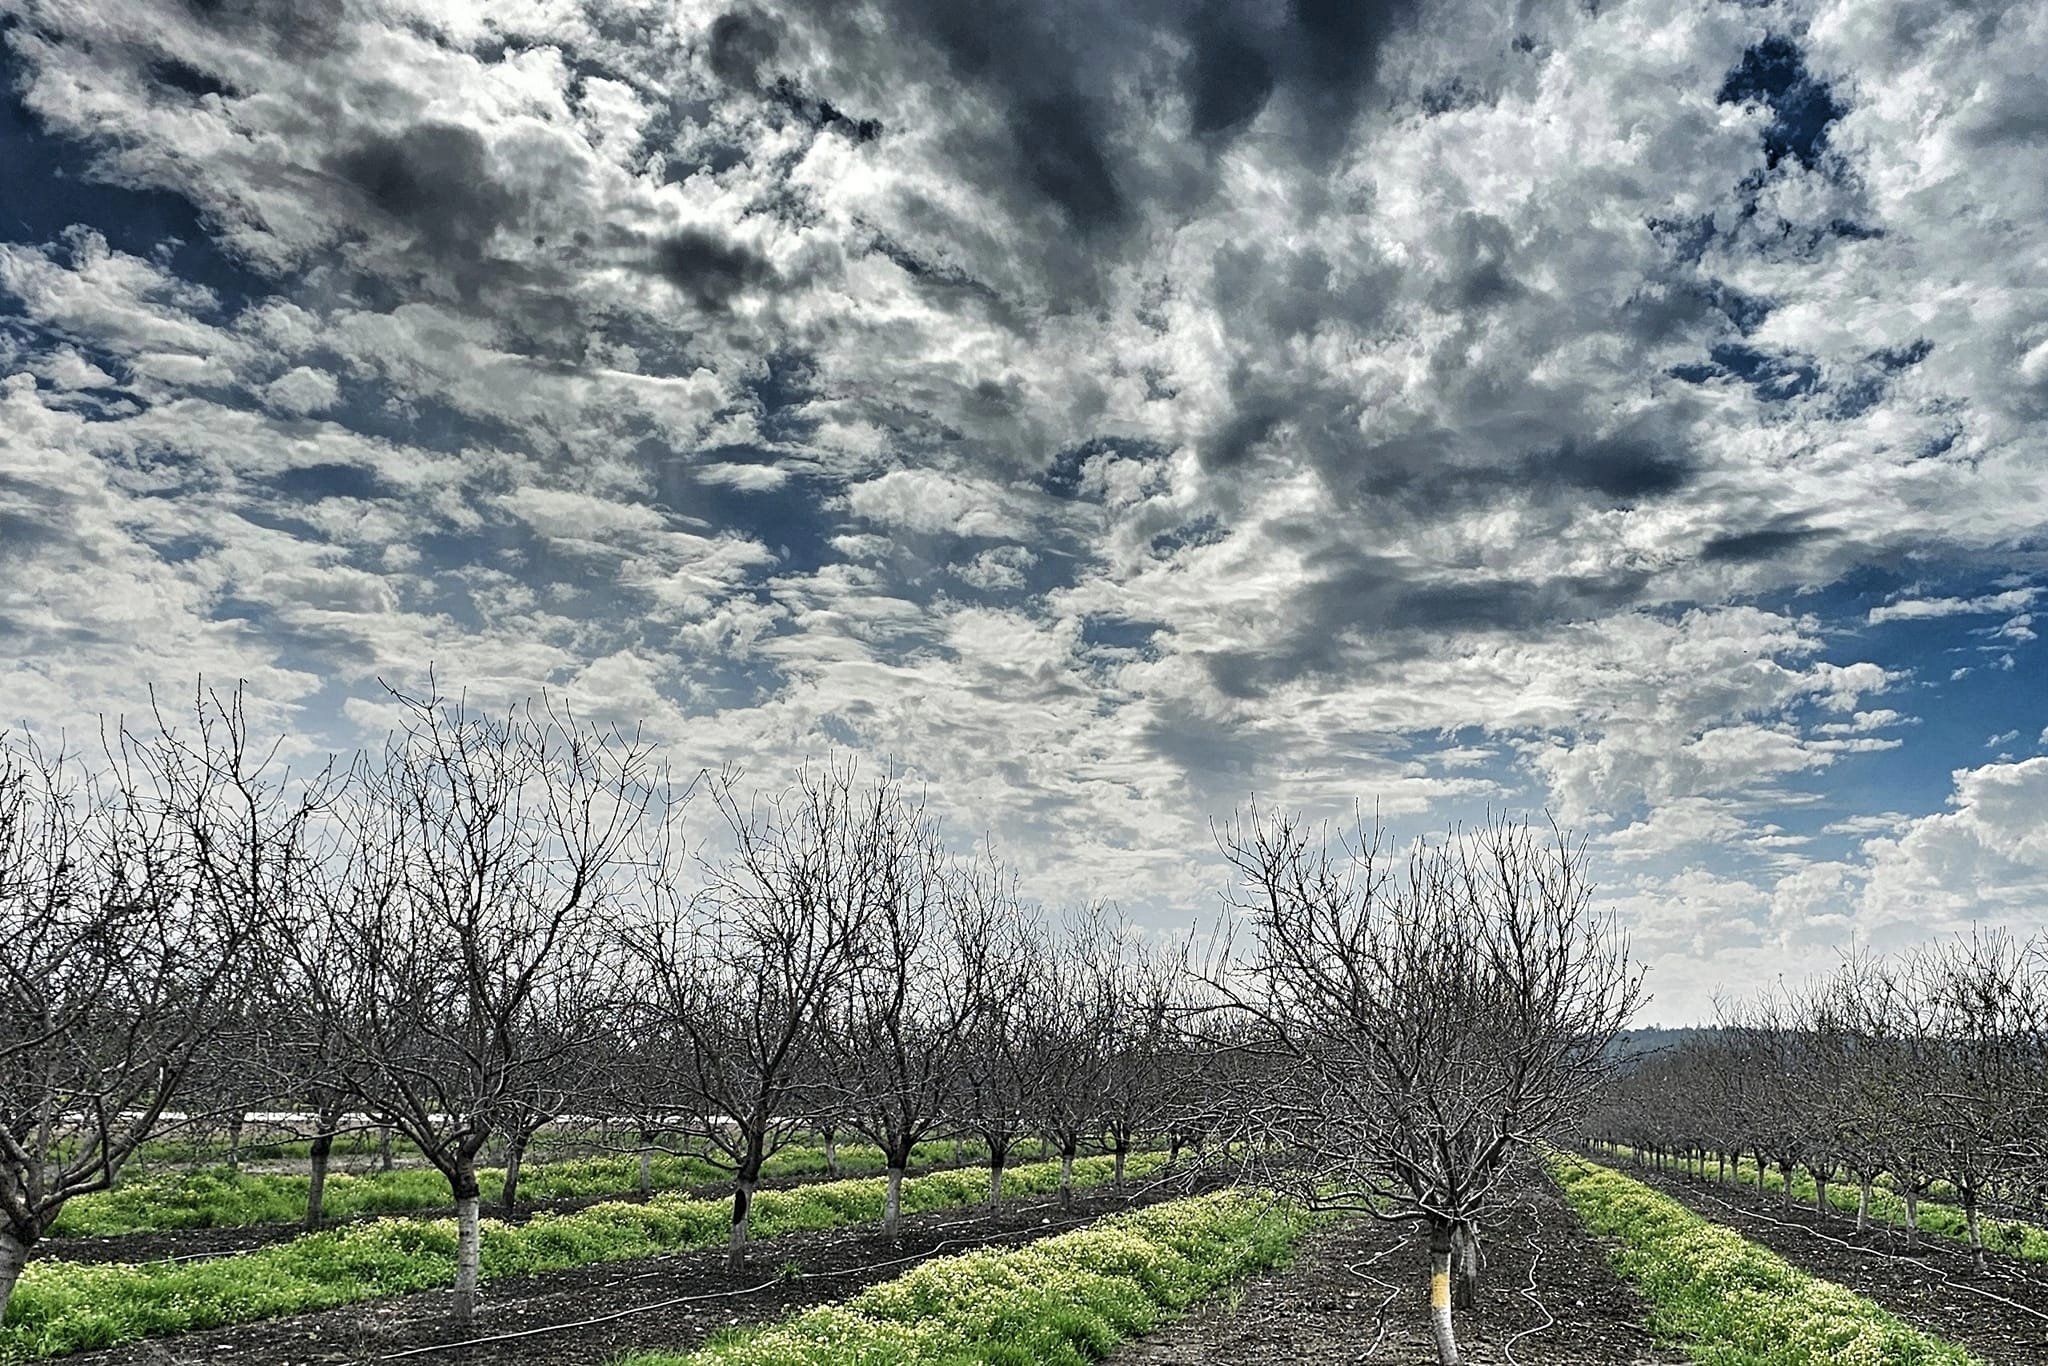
pixel 64 1307
pixel 1728 1302
pixel 221 1198
pixel 1066 1299
pixel 1936 1217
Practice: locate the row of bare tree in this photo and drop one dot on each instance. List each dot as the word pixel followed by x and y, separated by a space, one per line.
pixel 495 922
pixel 1928 1066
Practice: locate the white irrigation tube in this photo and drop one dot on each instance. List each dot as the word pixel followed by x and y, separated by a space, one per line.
pixel 1357 1269
pixel 1528 1292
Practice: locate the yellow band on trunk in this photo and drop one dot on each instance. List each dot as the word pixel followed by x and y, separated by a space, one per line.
pixel 1440 1290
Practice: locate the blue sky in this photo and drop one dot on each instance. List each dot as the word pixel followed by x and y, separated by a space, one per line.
pixel 1636 413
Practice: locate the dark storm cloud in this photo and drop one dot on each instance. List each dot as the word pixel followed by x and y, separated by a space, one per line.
pixel 1435 473
pixel 741 43
pixel 710 271
pixel 290 27
pixel 741 49
pixel 1624 469
pixel 1050 73
pixel 1764 543
pixel 1356 601
pixel 434 180
pixel 1477 251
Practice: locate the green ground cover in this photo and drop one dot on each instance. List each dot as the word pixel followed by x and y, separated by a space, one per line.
pixel 220 1198
pixel 1065 1300
pixel 64 1307
pixel 1937 1216
pixel 1728 1302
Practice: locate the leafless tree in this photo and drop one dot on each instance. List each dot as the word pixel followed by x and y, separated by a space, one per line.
pixel 738 975
pixel 894 1028
pixel 1140 986
pixel 130 892
pixel 1066 1039
pixel 461 953
pixel 1988 1013
pixel 1001 949
pixel 1427 1022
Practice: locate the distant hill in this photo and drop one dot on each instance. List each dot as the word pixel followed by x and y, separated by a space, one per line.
pixel 1638 1043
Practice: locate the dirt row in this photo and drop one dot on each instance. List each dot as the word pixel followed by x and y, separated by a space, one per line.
pixel 2002 1315
pixel 1357 1293
pixel 589 1315
pixel 1549 1297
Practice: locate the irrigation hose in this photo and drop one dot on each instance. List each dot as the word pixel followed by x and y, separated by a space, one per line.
pixel 1357 1269
pixel 1528 1292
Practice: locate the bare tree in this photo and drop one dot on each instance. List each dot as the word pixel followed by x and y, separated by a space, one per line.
pixel 1427 1023
pixel 1140 986
pixel 1066 1040
pixel 1001 950
pixel 460 956
pixel 737 976
pixel 129 897
pixel 1988 1013
pixel 893 1029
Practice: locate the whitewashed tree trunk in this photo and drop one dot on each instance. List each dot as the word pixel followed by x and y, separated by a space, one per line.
pixel 1440 1296
pixel 892 1211
pixel 742 1217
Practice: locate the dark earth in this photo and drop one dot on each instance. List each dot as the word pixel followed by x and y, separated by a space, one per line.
pixel 1932 1286
pixel 589 1315
pixel 1358 1293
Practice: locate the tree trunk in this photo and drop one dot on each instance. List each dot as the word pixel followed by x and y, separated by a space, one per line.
pixel 316 1186
pixel 743 1188
pixel 892 1210
pixel 1465 1244
pixel 1066 1178
pixel 1863 1206
pixel 998 1156
pixel 832 1153
pixel 646 1164
pixel 515 1157
pixel 1785 1185
pixel 384 1151
pixel 1440 1295
pixel 1912 1216
pixel 13 1257
pixel 1978 1261
pixel 1172 1149
pixel 468 1238
pixel 1820 1195
pixel 1122 1151
pixel 235 1123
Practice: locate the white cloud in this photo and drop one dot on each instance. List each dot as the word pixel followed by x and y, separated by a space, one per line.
pixel 302 390
pixel 1921 609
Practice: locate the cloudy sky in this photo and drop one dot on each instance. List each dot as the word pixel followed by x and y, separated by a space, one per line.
pixel 1631 409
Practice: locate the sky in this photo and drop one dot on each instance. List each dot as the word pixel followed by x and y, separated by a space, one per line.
pixel 1634 414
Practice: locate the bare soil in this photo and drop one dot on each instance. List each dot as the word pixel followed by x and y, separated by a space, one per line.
pixel 1358 1293
pixel 2001 1315
pixel 589 1315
